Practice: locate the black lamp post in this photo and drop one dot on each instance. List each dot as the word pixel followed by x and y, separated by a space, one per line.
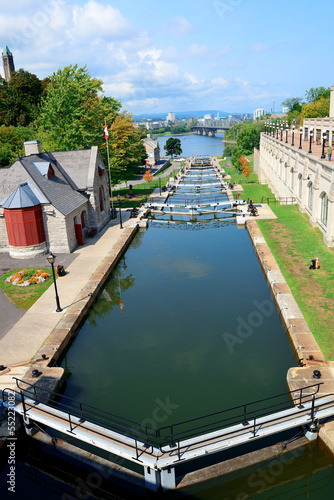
pixel 51 258
pixel 282 132
pixel 300 137
pixel 120 212
pixel 323 144
pixel 286 132
pixel 293 135
pixel 160 185
pixel 311 135
pixel 277 127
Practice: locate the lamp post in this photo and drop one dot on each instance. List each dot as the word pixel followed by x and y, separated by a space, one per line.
pixel 323 144
pixel 277 127
pixel 293 135
pixel 311 135
pixel 286 132
pixel 160 185
pixel 300 137
pixel 120 212
pixel 282 132
pixel 51 258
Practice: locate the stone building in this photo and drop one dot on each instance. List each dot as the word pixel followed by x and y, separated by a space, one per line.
pixel 49 201
pixel 297 177
pixel 8 64
pixel 152 149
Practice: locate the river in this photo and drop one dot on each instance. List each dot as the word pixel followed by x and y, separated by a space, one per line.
pixel 193 144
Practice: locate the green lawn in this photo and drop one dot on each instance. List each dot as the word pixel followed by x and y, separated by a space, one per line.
pixel 24 297
pixel 294 242
pixel 252 189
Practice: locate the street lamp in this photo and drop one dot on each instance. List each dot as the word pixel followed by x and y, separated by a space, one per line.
pixel 160 185
pixel 282 132
pixel 286 132
pixel 300 137
pixel 277 127
pixel 293 135
pixel 323 144
pixel 120 211
pixel 311 135
pixel 51 258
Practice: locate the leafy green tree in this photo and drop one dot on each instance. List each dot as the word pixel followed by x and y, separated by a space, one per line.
pixel 293 103
pixel 19 100
pixel 11 143
pixel 173 147
pixel 67 117
pixel 316 93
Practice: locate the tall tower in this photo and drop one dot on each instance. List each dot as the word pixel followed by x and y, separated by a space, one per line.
pixel 8 63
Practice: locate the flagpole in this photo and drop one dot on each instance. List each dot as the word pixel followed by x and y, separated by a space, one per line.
pixel 110 185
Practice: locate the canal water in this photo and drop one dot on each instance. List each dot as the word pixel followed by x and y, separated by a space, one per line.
pixel 193 145
pixel 185 326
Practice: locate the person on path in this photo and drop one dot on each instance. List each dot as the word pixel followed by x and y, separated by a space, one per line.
pixel 329 152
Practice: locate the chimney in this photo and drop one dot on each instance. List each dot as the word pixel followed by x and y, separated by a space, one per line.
pixel 32 148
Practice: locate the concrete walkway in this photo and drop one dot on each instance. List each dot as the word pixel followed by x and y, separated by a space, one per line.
pixel 22 342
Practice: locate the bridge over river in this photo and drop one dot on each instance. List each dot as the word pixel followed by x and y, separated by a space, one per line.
pixel 210 127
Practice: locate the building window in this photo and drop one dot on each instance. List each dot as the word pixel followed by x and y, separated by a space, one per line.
pixel 83 218
pixel 292 179
pixel 324 208
pixel 101 198
pixel 310 196
pixel 300 188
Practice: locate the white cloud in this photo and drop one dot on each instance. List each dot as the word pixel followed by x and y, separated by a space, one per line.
pixel 179 26
pixel 220 82
pixel 259 47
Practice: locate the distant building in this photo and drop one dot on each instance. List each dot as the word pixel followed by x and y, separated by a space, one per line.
pixel 258 113
pixel 285 109
pixel 207 117
pixel 152 148
pixel 170 117
pixel 8 64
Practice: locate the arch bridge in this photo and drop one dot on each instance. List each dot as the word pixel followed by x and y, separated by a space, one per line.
pixel 210 127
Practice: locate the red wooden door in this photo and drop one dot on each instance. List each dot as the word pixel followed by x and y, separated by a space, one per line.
pixel 78 233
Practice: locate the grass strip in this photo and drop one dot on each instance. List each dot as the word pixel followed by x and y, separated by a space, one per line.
pixel 24 297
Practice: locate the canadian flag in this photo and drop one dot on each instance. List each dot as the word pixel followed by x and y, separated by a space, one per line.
pixel 106 133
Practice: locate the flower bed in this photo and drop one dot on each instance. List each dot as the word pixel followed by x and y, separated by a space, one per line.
pixel 28 277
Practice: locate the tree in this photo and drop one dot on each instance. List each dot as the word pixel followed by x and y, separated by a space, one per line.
pixel 127 149
pixel 244 166
pixel 67 118
pixel 11 143
pixel 148 176
pixel 20 99
pixel 314 94
pixel 173 147
pixel 316 109
pixel 293 103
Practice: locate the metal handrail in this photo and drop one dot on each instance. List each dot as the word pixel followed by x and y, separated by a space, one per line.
pixel 153 436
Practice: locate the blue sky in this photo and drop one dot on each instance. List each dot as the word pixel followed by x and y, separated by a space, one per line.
pixel 232 55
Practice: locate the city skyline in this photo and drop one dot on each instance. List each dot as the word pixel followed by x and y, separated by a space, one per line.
pixel 231 55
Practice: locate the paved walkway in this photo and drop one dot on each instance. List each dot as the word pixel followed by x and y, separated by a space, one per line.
pixel 21 342
pixel 316 148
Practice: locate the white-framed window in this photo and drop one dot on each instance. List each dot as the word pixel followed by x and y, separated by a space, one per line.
pixel 310 195
pixel 324 208
pixel 300 185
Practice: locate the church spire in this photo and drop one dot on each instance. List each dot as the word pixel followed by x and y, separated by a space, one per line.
pixel 8 63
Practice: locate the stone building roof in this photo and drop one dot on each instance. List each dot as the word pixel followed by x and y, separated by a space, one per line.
pixel 59 190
